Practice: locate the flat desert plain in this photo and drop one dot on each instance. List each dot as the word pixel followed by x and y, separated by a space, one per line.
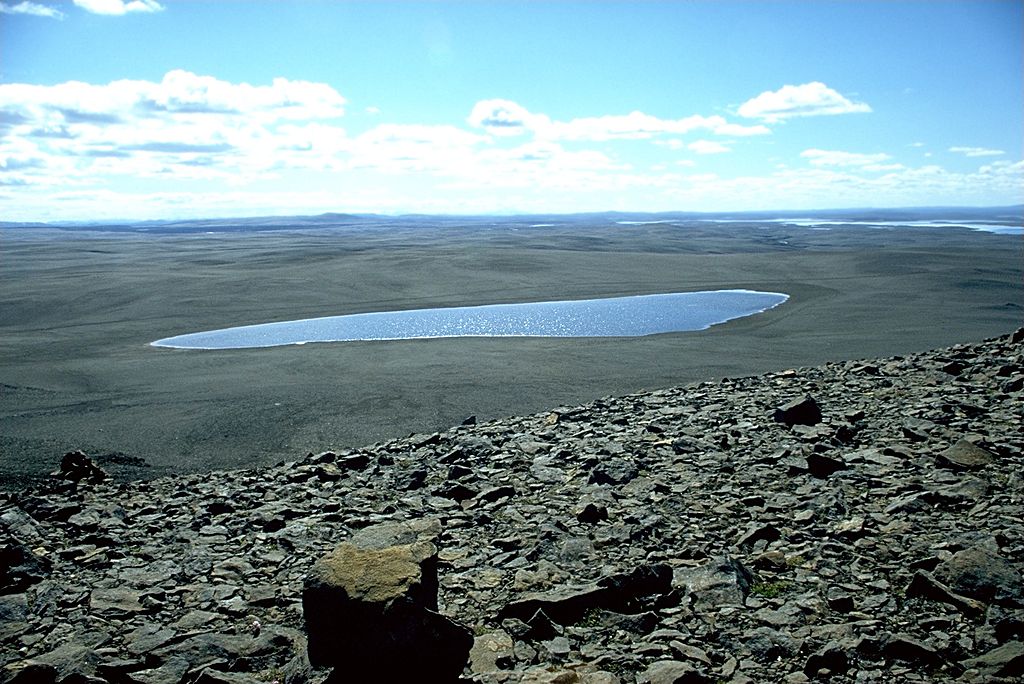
pixel 78 309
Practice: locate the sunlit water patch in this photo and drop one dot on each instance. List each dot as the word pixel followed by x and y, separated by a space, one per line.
pixel 1001 227
pixel 609 317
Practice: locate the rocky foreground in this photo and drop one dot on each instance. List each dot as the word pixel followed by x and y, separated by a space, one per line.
pixel 859 521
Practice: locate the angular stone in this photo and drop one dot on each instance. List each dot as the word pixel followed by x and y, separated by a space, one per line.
pixel 371 612
pixel 621 592
pixel 803 411
pixel 614 471
pixel 832 657
pixel 211 676
pixel 171 671
pixel 592 514
pixel 908 649
pixel 564 605
pixel 1004 661
pixel 923 585
pixel 383 535
pixel 494 494
pixel 724 580
pixel 757 532
pixel 767 644
pixel 672 672
pixel 965 454
pixel 491 652
pixel 116 602
pixel 28 672
pixel 981 574
pixel 822 466
pixel 20 568
pixel 13 615
pixel 77 466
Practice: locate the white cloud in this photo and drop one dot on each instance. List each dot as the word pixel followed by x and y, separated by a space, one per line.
pixel 184 126
pixel 707 147
pixel 31 8
pixel 809 99
pixel 837 158
pixel 119 7
pixel 507 118
pixel 179 94
pixel 977 151
pixel 212 147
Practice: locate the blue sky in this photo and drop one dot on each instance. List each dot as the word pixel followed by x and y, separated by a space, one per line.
pixel 147 109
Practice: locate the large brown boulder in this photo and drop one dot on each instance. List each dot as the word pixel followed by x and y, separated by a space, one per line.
pixel 371 614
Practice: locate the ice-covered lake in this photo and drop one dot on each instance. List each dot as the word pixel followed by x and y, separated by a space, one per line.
pixel 606 317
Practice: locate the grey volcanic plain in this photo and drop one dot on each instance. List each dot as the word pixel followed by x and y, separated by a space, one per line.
pixel 79 307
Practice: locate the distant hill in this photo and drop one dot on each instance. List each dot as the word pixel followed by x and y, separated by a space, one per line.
pixel 1007 214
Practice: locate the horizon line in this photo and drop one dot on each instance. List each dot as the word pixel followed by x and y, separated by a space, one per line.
pixel 513 214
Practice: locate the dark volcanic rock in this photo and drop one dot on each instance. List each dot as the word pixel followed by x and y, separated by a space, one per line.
pixel 20 568
pixel 822 466
pixel 798 412
pixel 77 466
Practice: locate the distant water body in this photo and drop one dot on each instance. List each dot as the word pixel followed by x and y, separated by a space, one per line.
pixel 999 228
pixel 609 317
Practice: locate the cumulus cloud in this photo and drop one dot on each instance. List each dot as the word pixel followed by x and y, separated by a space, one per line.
pixel 505 118
pixel 31 8
pixel 185 124
pixel 119 7
pixel 789 101
pixel 79 149
pixel 707 147
pixel 838 158
pixel 977 151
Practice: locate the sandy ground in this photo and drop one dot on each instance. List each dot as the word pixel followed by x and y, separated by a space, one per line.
pixel 77 313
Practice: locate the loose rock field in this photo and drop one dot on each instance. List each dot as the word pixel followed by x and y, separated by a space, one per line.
pixel 856 522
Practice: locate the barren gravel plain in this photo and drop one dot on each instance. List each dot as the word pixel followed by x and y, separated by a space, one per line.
pixel 78 309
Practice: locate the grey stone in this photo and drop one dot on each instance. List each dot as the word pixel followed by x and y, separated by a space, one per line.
pixel 20 568
pixel 402 533
pixel 803 411
pixel 982 574
pixel 491 652
pixel 672 672
pixel 767 644
pixel 1003 661
pixel 906 648
pixel 724 580
pixel 964 454
pixel 923 584
pixel 116 602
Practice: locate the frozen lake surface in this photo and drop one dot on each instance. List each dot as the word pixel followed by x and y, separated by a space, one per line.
pixel 608 317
